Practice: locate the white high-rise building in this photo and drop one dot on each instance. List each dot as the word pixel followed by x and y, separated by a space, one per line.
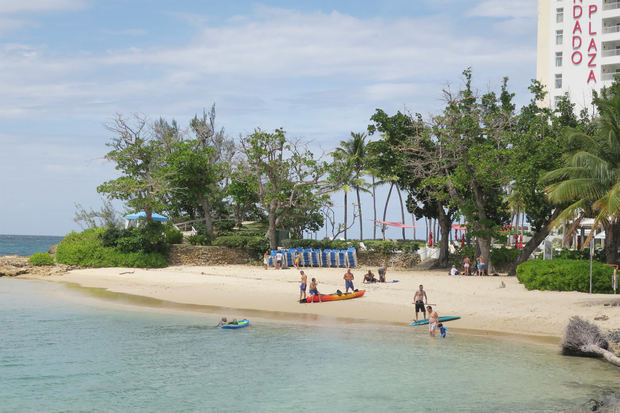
pixel 578 47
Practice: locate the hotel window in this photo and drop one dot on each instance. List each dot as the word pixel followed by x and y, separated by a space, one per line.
pixel 556 101
pixel 559 37
pixel 558 80
pixel 559 15
pixel 558 59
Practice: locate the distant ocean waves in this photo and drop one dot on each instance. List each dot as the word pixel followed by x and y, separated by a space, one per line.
pixel 26 244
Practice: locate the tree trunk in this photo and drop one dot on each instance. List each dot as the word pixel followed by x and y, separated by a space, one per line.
pixel 374 209
pixel 533 243
pixel 271 232
pixel 359 206
pixel 612 238
pixel 485 252
pixel 387 201
pixel 606 354
pixel 445 223
pixel 207 215
pixel 345 215
pixel 413 223
pixel 402 209
pixel 517 227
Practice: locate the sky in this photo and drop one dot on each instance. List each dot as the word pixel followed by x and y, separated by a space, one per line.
pixel 318 69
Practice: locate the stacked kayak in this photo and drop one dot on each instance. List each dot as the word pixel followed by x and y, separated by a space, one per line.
pixel 240 324
pixel 441 320
pixel 333 297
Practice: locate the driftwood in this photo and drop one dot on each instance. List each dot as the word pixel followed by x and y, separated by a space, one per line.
pixel 585 339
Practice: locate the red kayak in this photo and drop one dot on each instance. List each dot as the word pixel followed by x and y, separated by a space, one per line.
pixel 334 297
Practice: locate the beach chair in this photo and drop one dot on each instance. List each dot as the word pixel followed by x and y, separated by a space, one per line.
pixel 272 258
pixel 325 258
pixel 333 258
pixel 351 257
pixel 342 258
pixel 307 257
pixel 290 256
pixel 316 258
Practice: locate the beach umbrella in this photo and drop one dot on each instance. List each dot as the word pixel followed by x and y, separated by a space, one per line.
pixel 578 242
pixel 142 215
pixel 430 239
pixel 462 240
pixel 521 242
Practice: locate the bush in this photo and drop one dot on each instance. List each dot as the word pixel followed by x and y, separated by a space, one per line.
pixel 173 235
pixel 565 275
pixel 224 225
pixel 199 239
pixel 584 254
pixel 147 238
pixel 254 244
pixel 41 258
pixel 502 257
pixel 86 249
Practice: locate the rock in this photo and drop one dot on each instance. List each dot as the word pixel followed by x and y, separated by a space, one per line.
pixel 52 249
pixel 14 265
pixel 184 254
pixel 601 318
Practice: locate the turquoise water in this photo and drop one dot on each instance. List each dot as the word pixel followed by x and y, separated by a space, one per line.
pixel 62 353
pixel 26 244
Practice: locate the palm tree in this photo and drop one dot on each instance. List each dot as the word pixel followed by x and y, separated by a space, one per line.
pixel 590 179
pixel 353 153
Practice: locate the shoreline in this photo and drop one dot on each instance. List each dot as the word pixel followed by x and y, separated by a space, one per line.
pixel 486 308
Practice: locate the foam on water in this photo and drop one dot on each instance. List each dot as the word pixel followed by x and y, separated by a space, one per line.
pixel 58 355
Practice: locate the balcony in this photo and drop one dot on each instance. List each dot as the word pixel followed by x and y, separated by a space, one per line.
pixel 611 52
pixel 611 29
pixel 609 76
pixel 611 5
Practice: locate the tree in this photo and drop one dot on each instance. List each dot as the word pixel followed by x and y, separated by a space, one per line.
pixel 106 217
pixel 242 191
pixel 590 176
pixel 289 178
pixel 354 154
pixel 341 177
pixel 537 145
pixel 138 156
pixel 194 176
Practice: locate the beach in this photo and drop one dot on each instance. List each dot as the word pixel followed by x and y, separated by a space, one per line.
pixel 486 305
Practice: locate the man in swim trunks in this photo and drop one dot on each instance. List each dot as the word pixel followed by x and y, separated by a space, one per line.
pixel 314 291
pixel 302 285
pixel 369 277
pixel 348 281
pixel 433 320
pixel 420 298
pixel 466 265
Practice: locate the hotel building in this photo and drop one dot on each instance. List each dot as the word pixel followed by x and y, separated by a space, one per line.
pixel 578 48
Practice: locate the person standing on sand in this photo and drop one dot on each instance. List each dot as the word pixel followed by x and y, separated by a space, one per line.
pixel 433 320
pixel 348 281
pixel 481 266
pixel 266 260
pixel 279 256
pixel 420 298
pixel 302 285
pixel 297 260
pixel 466 265
pixel 314 291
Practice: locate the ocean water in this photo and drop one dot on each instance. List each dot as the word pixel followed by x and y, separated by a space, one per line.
pixel 60 353
pixel 26 244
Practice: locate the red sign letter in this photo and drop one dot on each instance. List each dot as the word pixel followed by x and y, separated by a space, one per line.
pixel 575 45
pixel 592 9
pixel 576 54
pixel 592 45
pixel 577 12
pixel 590 29
pixel 591 76
pixel 577 27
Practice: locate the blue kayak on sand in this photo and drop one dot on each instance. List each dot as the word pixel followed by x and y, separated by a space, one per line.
pixel 240 324
pixel 441 320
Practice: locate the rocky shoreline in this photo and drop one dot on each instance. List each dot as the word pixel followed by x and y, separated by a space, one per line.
pixel 15 265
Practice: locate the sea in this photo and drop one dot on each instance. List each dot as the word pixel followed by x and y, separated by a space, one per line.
pixel 68 349
pixel 26 244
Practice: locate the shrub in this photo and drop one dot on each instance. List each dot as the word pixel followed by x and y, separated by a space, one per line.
pixel 253 244
pixel 86 249
pixel 224 225
pixel 583 254
pixel 173 235
pixel 565 275
pixel 41 258
pixel 199 239
pixel 501 257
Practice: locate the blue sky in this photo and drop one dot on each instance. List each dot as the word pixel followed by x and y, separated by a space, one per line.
pixel 316 68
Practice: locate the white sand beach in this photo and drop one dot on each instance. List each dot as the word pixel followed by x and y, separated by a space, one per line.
pixel 484 305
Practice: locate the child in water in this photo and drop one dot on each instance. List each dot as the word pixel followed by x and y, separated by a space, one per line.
pixel 443 330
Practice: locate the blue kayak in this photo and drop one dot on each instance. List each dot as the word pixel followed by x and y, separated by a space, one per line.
pixel 441 320
pixel 240 324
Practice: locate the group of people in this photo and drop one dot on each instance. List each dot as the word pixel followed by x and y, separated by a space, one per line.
pixel 420 299
pixel 481 267
pixel 369 277
pixel 313 288
pixel 279 258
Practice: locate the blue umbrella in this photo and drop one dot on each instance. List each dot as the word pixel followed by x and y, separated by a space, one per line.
pixel 142 215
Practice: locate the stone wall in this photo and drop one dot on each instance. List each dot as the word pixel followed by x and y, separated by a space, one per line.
pixel 377 259
pixel 185 254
